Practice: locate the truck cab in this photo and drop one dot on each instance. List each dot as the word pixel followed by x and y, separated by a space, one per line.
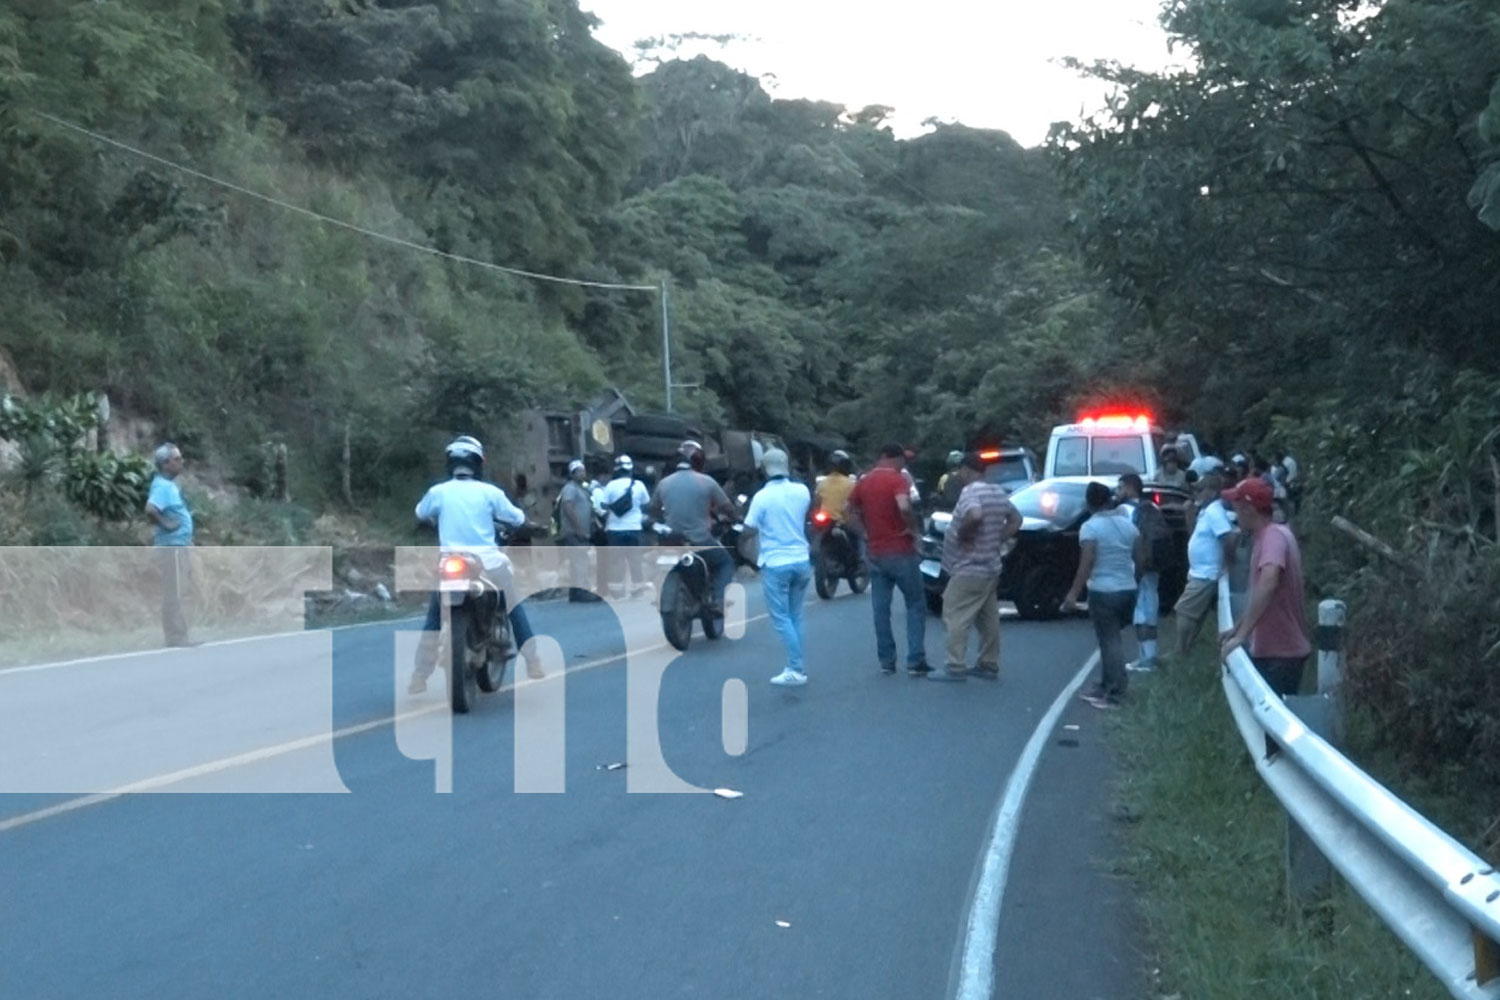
pixel 1112 444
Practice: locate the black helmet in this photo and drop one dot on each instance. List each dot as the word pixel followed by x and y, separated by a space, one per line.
pixel 465 452
pixel 841 461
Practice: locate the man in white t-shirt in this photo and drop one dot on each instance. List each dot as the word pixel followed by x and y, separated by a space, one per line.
pixel 778 513
pixel 1210 551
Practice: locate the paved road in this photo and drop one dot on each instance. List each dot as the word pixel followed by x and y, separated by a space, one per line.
pixel 867 803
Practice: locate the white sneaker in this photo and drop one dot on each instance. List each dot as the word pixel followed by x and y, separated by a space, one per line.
pixel 1142 666
pixel 789 678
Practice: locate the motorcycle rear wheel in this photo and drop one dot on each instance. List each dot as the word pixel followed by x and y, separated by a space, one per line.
pixel 824 582
pixel 498 654
pixel 859 580
pixel 676 616
pixel 463 686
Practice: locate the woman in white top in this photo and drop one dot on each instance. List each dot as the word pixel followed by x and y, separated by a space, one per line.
pixel 1109 564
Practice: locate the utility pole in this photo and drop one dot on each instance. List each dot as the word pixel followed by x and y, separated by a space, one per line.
pixel 666 344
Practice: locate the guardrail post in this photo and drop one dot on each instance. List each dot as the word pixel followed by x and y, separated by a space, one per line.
pixel 1309 875
pixel 1331 615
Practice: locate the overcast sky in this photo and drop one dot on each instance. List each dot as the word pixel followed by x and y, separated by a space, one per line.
pixel 986 64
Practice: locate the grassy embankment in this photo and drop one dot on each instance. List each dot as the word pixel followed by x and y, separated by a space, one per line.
pixel 1204 844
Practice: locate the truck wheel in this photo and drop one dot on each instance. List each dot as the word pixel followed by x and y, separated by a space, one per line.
pixel 640 446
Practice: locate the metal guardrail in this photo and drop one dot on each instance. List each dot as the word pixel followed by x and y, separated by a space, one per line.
pixel 1434 893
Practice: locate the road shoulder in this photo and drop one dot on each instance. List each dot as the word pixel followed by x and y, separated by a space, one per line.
pixel 1069 926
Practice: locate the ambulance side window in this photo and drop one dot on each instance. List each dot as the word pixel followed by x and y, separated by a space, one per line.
pixel 1072 457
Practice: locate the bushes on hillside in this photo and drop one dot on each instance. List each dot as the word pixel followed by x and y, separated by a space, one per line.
pixel 54 435
pixel 1422 472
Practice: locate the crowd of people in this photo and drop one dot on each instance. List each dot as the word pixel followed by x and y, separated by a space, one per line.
pixel 1235 510
pixel 1240 505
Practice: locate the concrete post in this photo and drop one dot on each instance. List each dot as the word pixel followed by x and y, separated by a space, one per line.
pixel 1331 616
pixel 1309 875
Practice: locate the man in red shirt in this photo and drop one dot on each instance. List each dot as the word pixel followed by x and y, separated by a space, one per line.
pixel 881 504
pixel 1274 623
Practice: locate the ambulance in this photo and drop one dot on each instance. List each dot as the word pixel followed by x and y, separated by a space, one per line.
pixel 1112 443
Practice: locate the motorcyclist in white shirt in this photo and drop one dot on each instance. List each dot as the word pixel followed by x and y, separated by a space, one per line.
pixel 465 508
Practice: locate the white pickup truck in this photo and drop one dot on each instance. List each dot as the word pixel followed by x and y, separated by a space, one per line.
pixel 1113 444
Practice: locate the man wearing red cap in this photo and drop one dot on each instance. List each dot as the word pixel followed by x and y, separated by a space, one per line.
pixel 1273 624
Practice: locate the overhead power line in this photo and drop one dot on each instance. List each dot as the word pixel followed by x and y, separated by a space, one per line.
pixel 329 220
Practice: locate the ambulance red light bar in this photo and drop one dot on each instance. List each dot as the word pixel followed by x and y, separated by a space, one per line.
pixel 1117 421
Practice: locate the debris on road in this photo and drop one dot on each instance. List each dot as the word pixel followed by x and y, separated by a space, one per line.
pixel 618 765
pixel 783 923
pixel 728 793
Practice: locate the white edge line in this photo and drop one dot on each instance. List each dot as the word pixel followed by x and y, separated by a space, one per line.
pixel 977 966
pixel 266 753
pixel 31 668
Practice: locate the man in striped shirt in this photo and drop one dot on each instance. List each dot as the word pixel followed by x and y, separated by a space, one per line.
pixel 983 521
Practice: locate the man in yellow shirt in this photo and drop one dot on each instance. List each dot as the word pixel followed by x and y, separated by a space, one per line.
pixel 832 493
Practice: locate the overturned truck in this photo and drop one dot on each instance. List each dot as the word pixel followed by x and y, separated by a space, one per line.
pixel 535 465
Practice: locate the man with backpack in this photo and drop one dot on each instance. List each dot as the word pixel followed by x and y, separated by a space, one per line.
pixel 625 501
pixel 1156 545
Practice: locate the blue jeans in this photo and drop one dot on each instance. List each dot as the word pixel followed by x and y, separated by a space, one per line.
pixel 888 573
pixel 1111 611
pixel 785 588
pixel 520 630
pixel 720 568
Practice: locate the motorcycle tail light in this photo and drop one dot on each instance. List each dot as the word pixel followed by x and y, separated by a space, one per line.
pixel 454 566
pixel 821 517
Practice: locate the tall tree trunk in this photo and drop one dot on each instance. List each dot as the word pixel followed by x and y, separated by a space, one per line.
pixel 344 482
pixel 283 484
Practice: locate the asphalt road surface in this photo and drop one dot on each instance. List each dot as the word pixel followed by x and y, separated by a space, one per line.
pixel 847 869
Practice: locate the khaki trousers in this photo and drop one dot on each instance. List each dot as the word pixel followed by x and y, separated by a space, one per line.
pixel 969 601
pixel 1198 599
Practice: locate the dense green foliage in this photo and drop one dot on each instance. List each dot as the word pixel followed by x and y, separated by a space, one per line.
pixel 59 448
pixel 823 276
pixel 1304 225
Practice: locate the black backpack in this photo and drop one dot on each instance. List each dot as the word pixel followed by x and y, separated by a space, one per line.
pixel 1156 536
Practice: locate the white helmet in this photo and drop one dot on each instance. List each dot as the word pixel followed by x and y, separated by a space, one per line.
pixel 465 451
pixel 624 464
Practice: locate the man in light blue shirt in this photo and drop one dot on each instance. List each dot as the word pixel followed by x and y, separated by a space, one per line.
pixel 174 535
pixel 778 513
pixel 465 509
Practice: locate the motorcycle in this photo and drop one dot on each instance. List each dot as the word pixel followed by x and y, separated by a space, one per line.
pixel 685 590
pixel 835 557
pixel 930 549
pixel 478 638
